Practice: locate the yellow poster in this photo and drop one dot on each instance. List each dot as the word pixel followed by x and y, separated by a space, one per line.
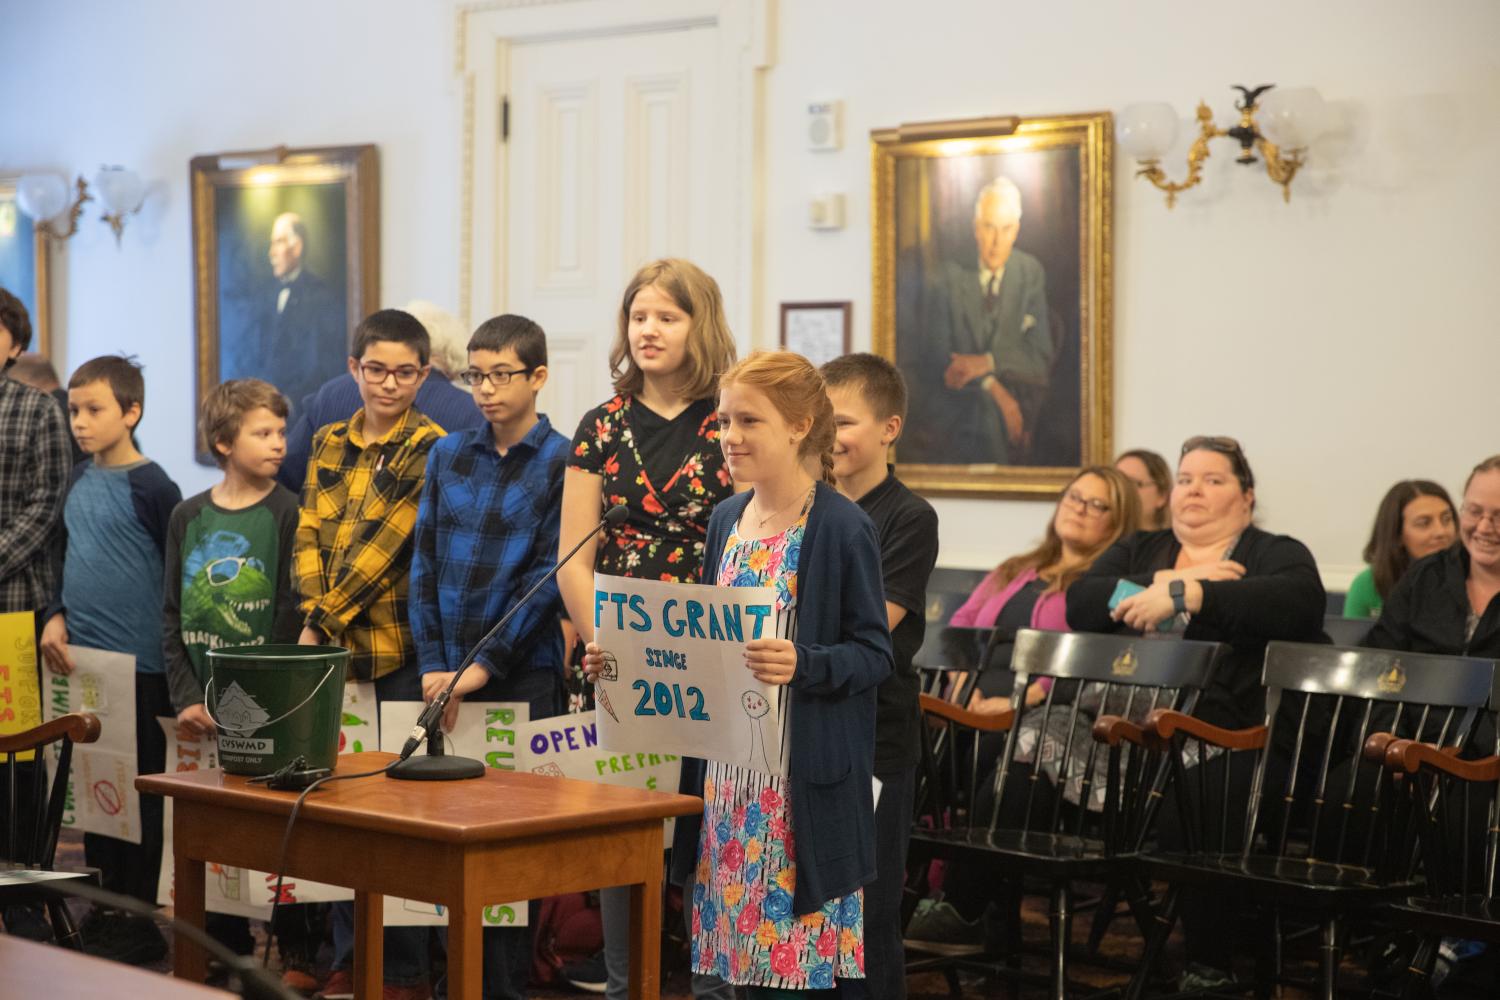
pixel 20 701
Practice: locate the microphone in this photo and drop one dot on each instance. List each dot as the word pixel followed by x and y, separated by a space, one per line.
pixel 437 766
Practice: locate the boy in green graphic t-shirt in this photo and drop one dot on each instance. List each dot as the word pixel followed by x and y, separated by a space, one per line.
pixel 227 579
pixel 229 549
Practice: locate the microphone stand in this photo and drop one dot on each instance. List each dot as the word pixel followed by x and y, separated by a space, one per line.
pixel 437 765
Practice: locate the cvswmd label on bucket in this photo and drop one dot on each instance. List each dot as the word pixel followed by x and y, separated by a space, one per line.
pixel 240 744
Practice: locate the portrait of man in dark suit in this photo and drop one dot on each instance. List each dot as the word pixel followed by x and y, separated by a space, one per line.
pixel 283 319
pixel 306 323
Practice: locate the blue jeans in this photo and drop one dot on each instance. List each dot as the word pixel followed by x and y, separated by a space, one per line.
pixel 406 961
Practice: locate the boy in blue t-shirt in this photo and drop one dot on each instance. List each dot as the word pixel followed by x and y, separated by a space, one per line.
pixel 486 533
pixel 114 520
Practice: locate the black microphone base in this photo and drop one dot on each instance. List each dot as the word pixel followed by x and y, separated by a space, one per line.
pixel 437 768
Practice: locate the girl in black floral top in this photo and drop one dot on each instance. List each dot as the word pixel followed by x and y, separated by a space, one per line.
pixel 654 447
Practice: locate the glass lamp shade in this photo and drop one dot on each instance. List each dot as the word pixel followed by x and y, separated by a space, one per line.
pixel 42 196
pixel 120 190
pixel 1147 130
pixel 1292 117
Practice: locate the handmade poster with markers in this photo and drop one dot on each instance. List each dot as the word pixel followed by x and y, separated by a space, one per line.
pixel 20 697
pixel 101 796
pixel 485 731
pixel 675 679
pixel 242 891
pixel 567 746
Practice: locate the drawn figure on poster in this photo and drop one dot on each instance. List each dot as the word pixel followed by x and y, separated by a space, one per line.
pixel 756 706
pixel 603 700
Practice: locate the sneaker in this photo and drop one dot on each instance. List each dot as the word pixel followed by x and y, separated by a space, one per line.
pixel 938 928
pixel 1197 977
pixel 300 981
pixel 589 975
pixel 338 986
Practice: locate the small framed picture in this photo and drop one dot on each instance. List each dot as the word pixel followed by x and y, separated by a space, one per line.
pixel 819 331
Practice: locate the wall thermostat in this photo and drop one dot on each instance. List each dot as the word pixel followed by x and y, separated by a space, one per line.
pixel 824 126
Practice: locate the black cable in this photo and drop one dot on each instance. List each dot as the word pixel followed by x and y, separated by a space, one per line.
pixel 255 984
pixel 286 843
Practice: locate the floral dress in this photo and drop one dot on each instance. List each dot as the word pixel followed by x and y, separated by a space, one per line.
pixel 744 931
pixel 663 537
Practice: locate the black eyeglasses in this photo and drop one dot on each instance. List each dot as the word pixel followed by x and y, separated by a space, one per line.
pixel 1089 506
pixel 376 373
pixel 499 378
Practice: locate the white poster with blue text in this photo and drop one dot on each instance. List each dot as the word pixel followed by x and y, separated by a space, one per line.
pixel 675 679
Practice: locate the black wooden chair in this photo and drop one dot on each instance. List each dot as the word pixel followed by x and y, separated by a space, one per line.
pixel 33 846
pixel 1058 805
pixel 1448 816
pixel 1310 836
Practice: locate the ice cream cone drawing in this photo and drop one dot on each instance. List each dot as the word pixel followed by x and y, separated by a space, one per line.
pixel 603 699
pixel 756 706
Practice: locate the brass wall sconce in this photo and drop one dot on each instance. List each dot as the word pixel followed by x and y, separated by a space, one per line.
pixel 1279 127
pixel 45 198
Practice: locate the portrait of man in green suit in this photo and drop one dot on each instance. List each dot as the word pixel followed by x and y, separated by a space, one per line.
pixel 987 325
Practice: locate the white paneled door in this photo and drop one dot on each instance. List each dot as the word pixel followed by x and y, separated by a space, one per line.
pixel 612 153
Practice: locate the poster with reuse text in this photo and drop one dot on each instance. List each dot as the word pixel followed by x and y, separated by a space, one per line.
pixel 484 731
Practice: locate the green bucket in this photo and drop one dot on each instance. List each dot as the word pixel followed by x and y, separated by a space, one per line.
pixel 274 703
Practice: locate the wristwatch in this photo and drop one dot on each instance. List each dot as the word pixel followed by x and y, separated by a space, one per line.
pixel 1178 591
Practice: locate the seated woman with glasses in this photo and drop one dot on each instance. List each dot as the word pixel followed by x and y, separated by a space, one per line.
pixel 1025 591
pixel 1446 603
pixel 1416 518
pixel 1214 576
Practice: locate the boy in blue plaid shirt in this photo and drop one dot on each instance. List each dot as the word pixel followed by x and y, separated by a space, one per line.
pixel 486 533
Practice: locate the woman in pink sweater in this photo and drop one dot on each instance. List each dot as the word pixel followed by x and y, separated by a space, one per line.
pixel 1027 591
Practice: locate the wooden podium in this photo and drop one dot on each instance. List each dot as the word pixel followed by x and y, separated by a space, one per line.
pixel 464 844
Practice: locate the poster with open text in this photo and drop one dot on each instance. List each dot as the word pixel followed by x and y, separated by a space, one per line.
pixel 675 679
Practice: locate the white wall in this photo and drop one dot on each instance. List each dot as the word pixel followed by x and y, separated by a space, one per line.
pixel 1346 338
pixel 151 84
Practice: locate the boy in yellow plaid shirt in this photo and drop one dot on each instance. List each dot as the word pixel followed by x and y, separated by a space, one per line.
pixel 353 560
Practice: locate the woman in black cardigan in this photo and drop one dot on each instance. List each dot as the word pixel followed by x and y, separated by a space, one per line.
pixel 1220 579
pixel 1449 602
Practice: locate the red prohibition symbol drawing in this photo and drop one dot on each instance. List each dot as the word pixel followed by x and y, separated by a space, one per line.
pixel 108 797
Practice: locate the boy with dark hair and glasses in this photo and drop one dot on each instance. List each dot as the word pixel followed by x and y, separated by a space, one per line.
pixel 353 560
pixel 486 533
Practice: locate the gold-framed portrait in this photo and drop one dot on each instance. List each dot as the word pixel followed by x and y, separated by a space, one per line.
pixel 24 269
pixel 992 294
pixel 286 261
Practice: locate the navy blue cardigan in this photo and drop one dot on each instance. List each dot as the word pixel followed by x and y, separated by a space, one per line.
pixel 843 653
